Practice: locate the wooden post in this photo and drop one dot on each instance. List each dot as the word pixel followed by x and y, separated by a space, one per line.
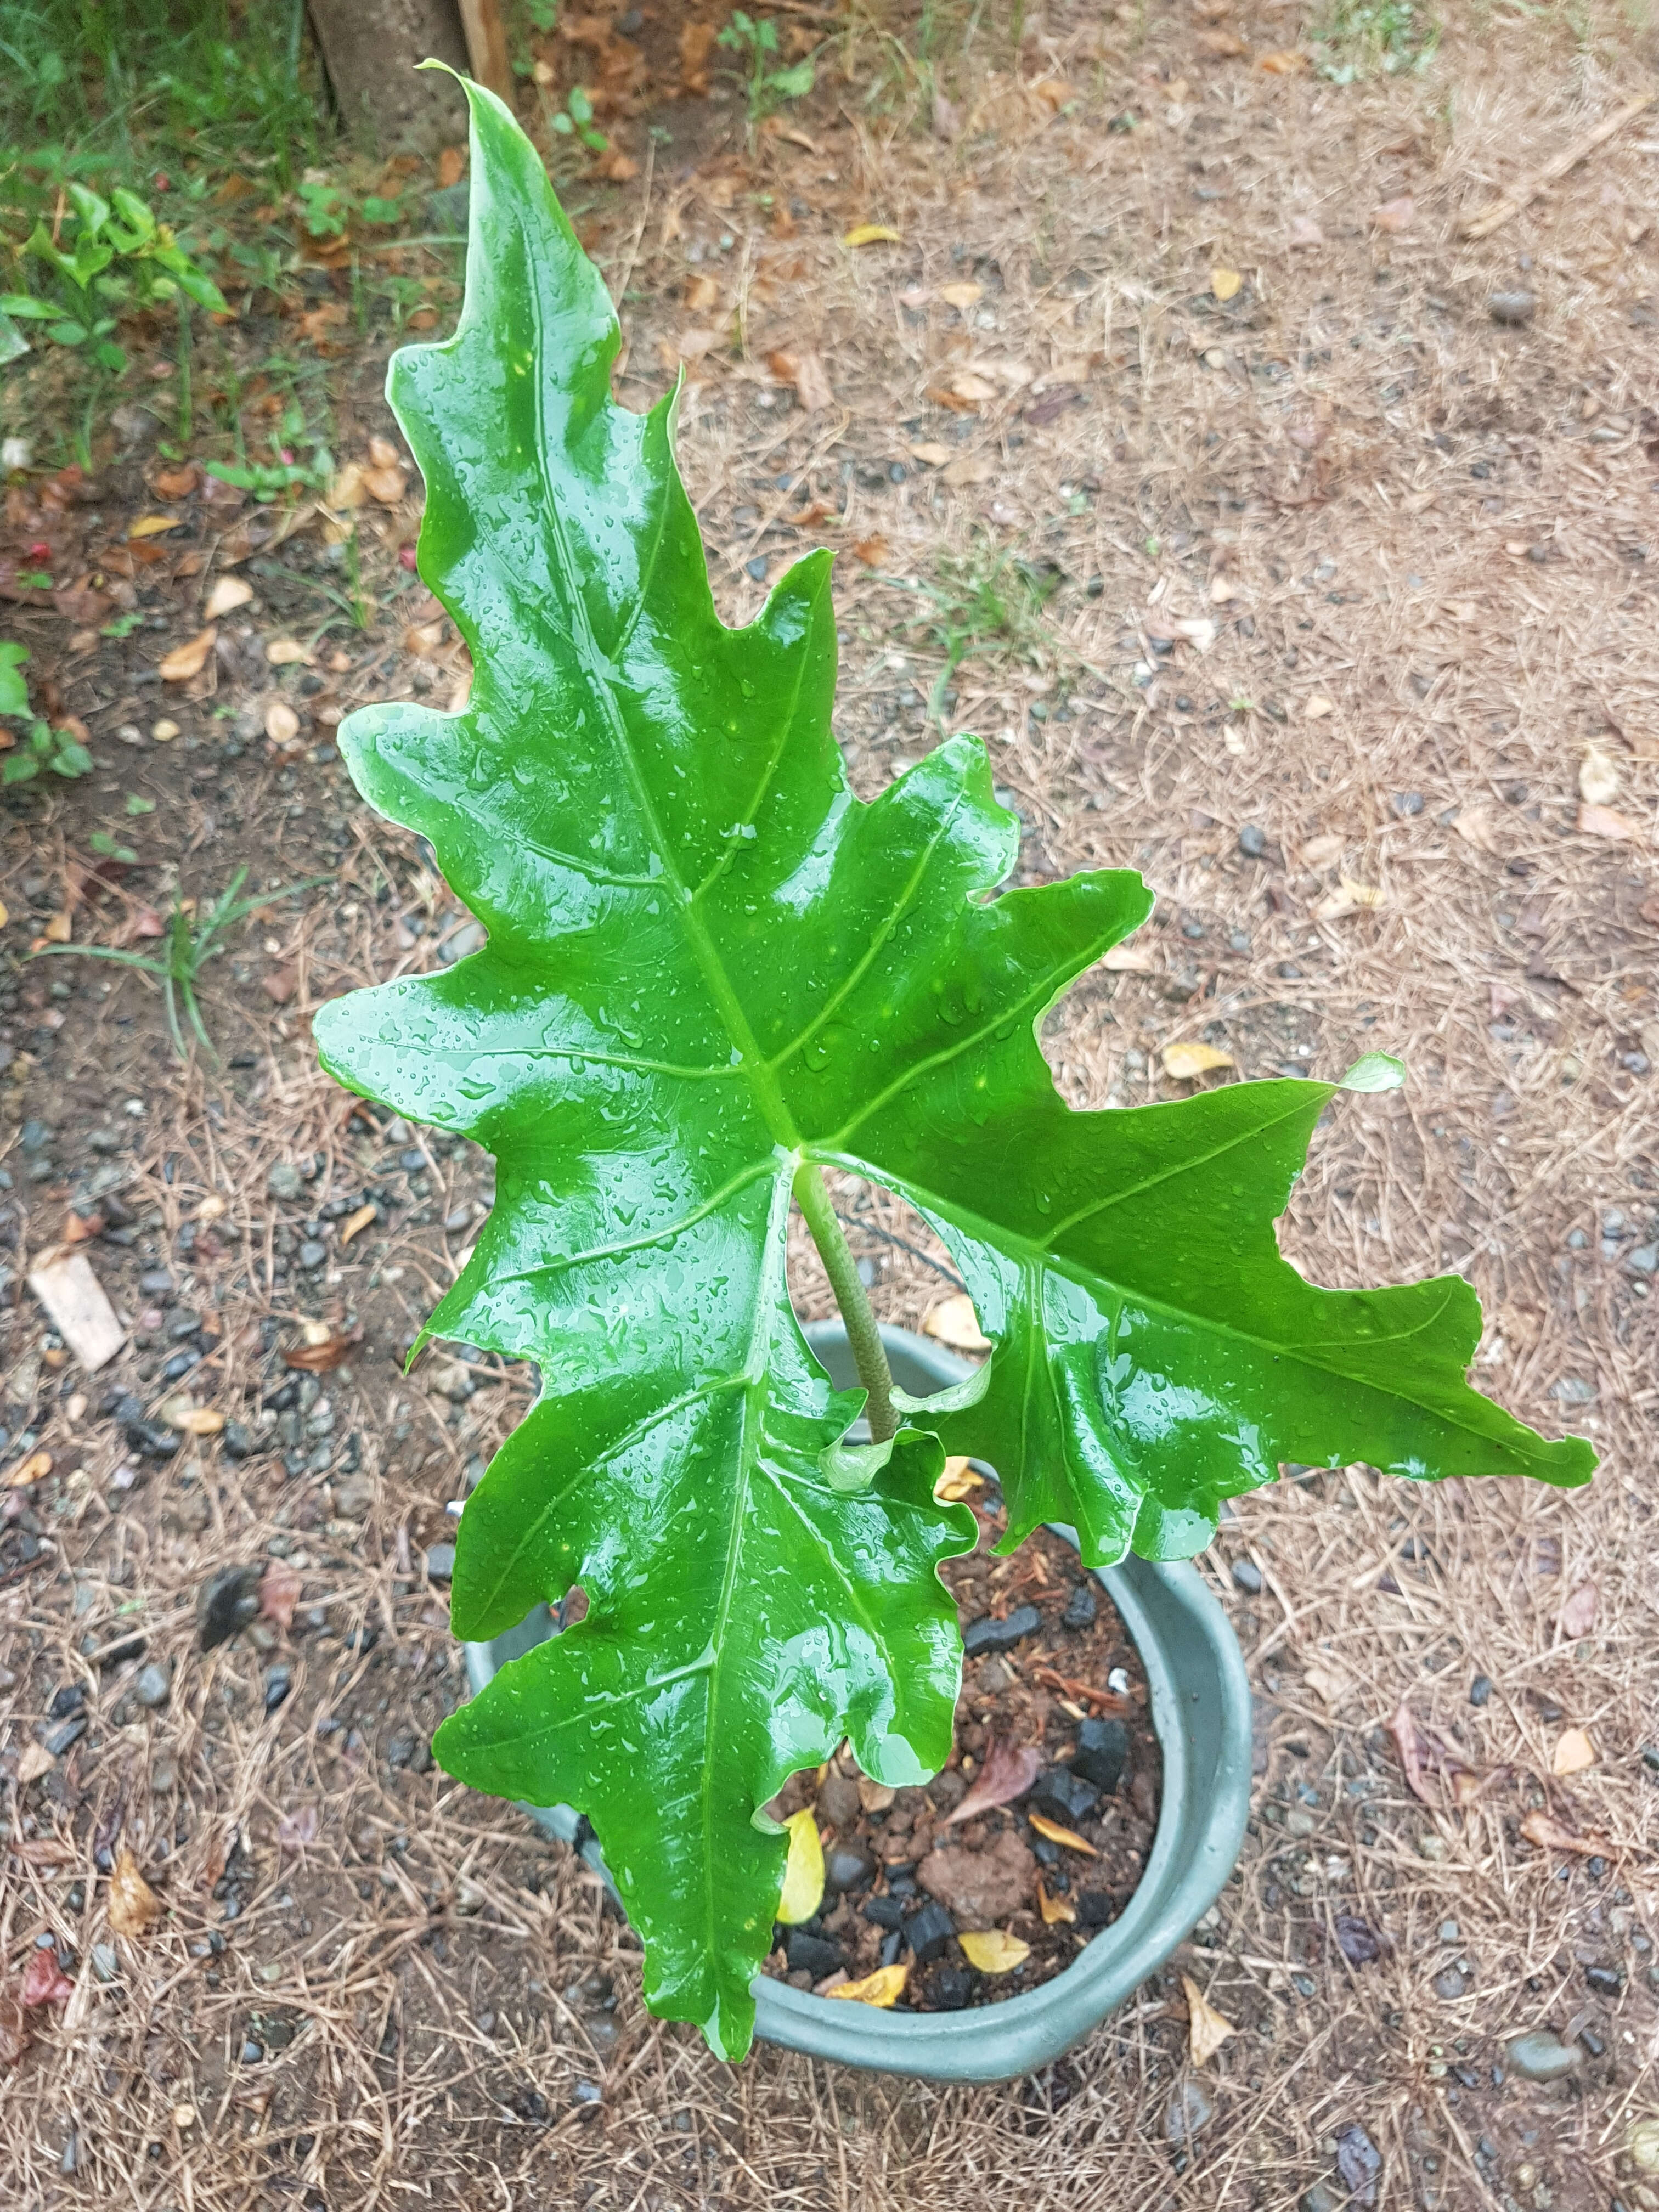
pixel 370 49
pixel 486 46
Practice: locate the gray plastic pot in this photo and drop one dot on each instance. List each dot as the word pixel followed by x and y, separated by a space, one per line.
pixel 1200 1709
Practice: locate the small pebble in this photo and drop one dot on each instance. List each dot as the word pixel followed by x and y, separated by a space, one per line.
pixel 1511 309
pixel 1252 841
pixel 988 1635
pixel 1191 2107
pixel 1080 1609
pixel 153 1686
pixel 284 1179
pixel 1450 1932
pixel 1542 2057
pixel 1247 1577
pixel 1481 1689
pixel 1605 1981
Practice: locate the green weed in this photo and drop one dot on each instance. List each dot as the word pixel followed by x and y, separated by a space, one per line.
pixel 191 940
pixel 1358 39
pixel 766 85
pixel 989 600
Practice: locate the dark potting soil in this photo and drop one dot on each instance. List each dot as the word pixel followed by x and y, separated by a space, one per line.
pixel 1050 1666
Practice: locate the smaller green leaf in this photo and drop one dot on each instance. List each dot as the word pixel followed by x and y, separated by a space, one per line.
pixel 24 304
pixel 793 83
pixel 133 212
pixel 136 805
pixel 93 211
pixel 18 768
pixel 14 686
pixel 110 357
pixel 68 334
pixel 1377 1071
pixel 101 841
pixel 70 758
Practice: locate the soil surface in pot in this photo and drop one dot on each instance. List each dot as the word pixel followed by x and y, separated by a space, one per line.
pixel 1050 1672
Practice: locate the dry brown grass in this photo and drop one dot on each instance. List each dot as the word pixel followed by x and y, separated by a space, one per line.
pixel 1314 443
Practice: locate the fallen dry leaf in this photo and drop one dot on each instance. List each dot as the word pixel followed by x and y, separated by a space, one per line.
pixel 452 166
pixel 1067 1837
pixel 953 1321
pixel 1395 216
pixel 384 454
pixel 198 1421
pixel 1316 711
pixel 962 296
pixel 134 1908
pixel 1130 960
pixel 1222 591
pixel 14 2032
pixel 57 930
pixel 279 1593
pixel 993 1950
pixel 190 659
pixel 296 1829
pixel 1285 61
pixel 364 1218
pixel 35 1761
pixel 1598 779
pixel 968 384
pixel 871 233
pixel 1549 1834
pixel 871 550
pixel 1303 229
pixel 153 526
pixel 176 483
pixel 1603 821
pixel 970 468
pixel 957 1481
pixel 1008 1772
pixel 228 593
pixel 1328 1685
pixel 1225 284
pixel 281 723
pixel 702 294
pixel 806 371
pixel 1206 2030
pixel 286 652
pixel 280 985
pixel 1186 1062
pixel 346 488
pixel 329 1351
pixel 1574 1752
pixel 44 1981
pixel 30 1470
pixel 876 1796
pixel 386 484
pixel 1423 1752
pixel 1057 1912
pixel 882 1988
pixel 1577 1615
pixel 1477 825
pixel 931 453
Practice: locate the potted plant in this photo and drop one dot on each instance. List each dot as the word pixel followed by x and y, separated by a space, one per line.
pixel 711 975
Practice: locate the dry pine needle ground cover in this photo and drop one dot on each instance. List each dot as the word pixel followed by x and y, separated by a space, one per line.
pixel 1336 605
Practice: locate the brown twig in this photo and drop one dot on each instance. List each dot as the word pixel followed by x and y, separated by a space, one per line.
pixel 1498 212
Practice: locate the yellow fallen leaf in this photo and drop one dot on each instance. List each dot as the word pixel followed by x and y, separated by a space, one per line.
pixel 153 526
pixel 1185 1061
pixel 1318 707
pixel 1207 2029
pixel 803 1876
pixel 285 652
pixel 30 1470
pixel 882 1988
pixel 188 659
pixel 35 1761
pixel 962 296
pixel 1366 894
pixel 967 384
pixel 1226 282
pixel 932 454
pixel 226 595
pixel 1603 821
pixel 1319 852
pixel 5 913
pixel 1574 1752
pixel 994 1951
pixel 1130 960
pixel 364 1218
pixel 1477 825
pixel 1287 61
pixel 57 931
pixel 1068 1837
pixel 958 1480
pixel 953 1321
pixel 1598 779
pixel 871 233
pixel 1055 1911
pixel 133 1905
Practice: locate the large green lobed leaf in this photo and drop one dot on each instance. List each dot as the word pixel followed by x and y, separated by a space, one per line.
pixel 709 966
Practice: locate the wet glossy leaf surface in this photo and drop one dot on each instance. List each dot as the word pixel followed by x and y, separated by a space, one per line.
pixel 707 965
